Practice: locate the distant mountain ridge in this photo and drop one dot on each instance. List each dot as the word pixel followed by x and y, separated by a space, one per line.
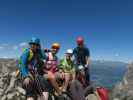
pixel 107 73
pixel 107 62
pixel 103 73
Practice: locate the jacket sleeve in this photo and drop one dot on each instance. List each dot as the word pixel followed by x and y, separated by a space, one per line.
pixel 74 52
pixel 73 68
pixel 24 64
pixel 43 55
pixel 87 52
pixel 75 55
pixel 60 66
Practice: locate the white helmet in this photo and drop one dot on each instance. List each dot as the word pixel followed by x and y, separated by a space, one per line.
pixel 69 51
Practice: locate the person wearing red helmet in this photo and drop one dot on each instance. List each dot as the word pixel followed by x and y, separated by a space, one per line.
pixel 80 41
pixel 82 56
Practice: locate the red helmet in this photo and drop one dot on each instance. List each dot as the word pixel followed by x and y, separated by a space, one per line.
pixel 80 40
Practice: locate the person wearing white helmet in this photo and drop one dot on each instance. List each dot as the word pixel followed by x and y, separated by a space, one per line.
pixel 67 68
pixel 69 51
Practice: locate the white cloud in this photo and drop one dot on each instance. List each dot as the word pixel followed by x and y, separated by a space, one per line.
pixel 5 57
pixel 12 50
pixel 5 44
pixel 15 47
pixel 1 47
pixel 23 44
pixel 117 54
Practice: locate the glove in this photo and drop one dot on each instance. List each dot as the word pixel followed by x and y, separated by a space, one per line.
pixel 44 61
pixel 86 66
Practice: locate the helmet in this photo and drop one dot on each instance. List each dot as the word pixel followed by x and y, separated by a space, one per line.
pixel 35 40
pixel 80 40
pixel 55 46
pixel 69 51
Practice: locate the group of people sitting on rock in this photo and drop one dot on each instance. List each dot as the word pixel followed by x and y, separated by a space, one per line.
pixel 41 68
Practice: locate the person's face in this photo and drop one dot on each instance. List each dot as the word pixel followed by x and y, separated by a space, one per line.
pixel 38 47
pixel 34 47
pixel 80 45
pixel 55 51
pixel 68 56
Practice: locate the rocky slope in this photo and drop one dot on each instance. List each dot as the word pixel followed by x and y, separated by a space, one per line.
pixel 124 90
pixel 10 86
pixel 10 89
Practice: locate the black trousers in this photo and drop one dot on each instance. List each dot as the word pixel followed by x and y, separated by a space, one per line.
pixel 87 74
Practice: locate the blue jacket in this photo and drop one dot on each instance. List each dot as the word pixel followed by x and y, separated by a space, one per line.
pixel 26 59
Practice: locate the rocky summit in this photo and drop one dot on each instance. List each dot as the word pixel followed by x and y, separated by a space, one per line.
pixel 10 87
pixel 124 90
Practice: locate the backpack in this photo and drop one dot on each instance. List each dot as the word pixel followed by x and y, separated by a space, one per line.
pixel 103 93
pixel 18 62
pixel 30 56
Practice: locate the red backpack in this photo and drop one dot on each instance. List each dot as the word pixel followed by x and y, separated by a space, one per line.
pixel 103 93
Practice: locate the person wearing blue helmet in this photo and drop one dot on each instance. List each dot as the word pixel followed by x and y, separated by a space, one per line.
pixel 29 64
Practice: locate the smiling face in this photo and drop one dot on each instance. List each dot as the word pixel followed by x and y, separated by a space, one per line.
pixel 34 47
pixel 80 45
pixel 54 50
pixel 68 56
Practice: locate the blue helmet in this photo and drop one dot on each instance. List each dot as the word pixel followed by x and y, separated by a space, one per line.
pixel 35 40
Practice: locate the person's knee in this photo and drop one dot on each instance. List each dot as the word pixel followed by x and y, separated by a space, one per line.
pixel 67 74
pixel 30 98
pixel 51 76
pixel 26 82
pixel 46 95
pixel 28 86
pixel 67 77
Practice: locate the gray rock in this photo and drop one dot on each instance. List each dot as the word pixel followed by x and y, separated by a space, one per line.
pixel 12 83
pixel 116 99
pixel 4 69
pixel 11 96
pixel 21 90
pixel 1 84
pixel 4 97
pixel 1 92
pixel 124 90
pixel 9 87
pixel 23 98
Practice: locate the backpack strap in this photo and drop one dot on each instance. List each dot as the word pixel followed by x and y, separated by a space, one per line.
pixel 50 57
pixel 30 56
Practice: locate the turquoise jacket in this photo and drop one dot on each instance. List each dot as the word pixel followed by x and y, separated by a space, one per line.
pixel 28 58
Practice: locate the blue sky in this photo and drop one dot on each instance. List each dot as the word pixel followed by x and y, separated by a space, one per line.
pixel 106 26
